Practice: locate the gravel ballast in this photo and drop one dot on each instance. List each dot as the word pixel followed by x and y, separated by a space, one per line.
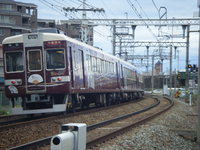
pixel 159 133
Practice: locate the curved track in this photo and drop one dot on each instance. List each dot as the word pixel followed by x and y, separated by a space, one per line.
pixel 24 120
pixel 94 140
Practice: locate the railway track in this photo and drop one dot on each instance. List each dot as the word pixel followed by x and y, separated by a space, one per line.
pixel 20 120
pixel 102 136
pixel 126 126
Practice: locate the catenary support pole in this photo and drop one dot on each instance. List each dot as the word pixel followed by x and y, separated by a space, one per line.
pixel 187 62
pixel 152 75
pixel 170 71
pixel 198 100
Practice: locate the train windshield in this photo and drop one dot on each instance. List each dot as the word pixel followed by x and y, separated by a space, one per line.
pixel 55 59
pixel 14 61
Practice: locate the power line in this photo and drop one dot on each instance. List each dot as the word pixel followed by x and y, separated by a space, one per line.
pixel 140 16
pixel 155 5
pixel 52 6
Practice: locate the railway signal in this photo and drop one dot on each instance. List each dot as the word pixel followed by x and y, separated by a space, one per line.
pixel 179 76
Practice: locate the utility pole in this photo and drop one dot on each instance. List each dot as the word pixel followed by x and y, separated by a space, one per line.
pixel 84 21
pixel 170 71
pixel 152 76
pixel 187 62
pixel 84 26
pixel 198 100
pixel 147 58
pixel 120 47
pixel 114 39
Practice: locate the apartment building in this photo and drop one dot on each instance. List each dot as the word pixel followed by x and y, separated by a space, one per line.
pixel 16 18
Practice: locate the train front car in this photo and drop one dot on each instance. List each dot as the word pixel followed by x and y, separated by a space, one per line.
pixel 36 72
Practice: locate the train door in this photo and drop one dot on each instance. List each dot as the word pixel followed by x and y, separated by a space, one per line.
pixel 77 68
pixel 35 78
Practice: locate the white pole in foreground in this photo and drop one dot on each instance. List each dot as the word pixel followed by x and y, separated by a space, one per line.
pixel 198 100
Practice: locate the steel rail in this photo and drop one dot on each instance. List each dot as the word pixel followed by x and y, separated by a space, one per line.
pixel 6 125
pixel 46 141
pixel 108 136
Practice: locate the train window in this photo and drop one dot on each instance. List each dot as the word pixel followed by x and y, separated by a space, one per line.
pixel 91 63
pixel 88 62
pixel 102 66
pixel 111 68
pixel 34 57
pixel 94 64
pixel 98 65
pixel 115 68
pixel 55 59
pixel 107 67
pixel 14 61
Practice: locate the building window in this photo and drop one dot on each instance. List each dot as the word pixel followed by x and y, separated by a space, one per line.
pixel 6 7
pixel 6 19
pixel 25 20
pixel 16 31
pixel 19 8
pixel 41 24
pixel 1 31
pixel 51 25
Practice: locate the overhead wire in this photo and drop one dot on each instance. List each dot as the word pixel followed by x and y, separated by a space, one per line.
pixel 140 16
pixel 58 7
pixel 155 5
pixel 64 4
pixel 52 6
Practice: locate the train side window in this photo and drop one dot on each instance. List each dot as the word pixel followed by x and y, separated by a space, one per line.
pixel 98 65
pixel 106 66
pixel 34 57
pixel 14 61
pixel 111 68
pixel 102 66
pixel 88 62
pixel 91 63
pixel 115 70
pixel 94 64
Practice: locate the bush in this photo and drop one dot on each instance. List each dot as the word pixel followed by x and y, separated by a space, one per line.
pixel 3 112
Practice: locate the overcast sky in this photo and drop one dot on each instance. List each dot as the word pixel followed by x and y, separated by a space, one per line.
pixel 51 9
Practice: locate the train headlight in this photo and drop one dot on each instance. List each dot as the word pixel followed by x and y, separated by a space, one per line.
pixel 13 82
pixel 60 79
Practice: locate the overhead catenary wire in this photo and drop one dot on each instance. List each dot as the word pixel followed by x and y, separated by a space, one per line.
pixel 155 5
pixel 52 6
pixel 140 16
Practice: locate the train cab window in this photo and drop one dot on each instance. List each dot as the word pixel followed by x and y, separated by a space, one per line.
pixel 55 59
pixel 34 57
pixel 14 61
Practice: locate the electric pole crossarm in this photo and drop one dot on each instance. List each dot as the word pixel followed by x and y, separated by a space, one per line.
pixel 131 57
pixel 144 22
pixel 68 9
pixel 151 44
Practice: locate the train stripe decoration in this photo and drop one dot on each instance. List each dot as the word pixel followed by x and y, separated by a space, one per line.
pixel 51 72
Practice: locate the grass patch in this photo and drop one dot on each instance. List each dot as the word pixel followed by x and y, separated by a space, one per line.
pixel 3 113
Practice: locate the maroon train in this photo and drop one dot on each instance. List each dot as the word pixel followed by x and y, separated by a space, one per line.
pixel 51 73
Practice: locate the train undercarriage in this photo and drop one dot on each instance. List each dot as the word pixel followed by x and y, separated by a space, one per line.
pixel 41 103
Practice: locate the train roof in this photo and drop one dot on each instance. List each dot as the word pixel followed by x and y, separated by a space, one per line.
pixel 54 36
